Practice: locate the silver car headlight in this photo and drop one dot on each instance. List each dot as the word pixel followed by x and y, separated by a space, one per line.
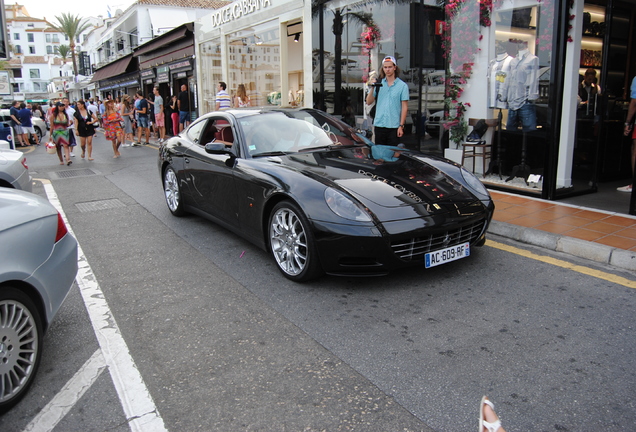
pixel 344 206
pixel 473 182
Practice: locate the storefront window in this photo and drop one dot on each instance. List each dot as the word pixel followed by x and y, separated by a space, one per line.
pixel 518 76
pixel 211 72
pixel 357 36
pixel 254 61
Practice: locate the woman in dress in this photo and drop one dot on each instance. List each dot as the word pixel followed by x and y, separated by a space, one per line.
pixel 127 112
pixel 85 122
pixel 174 106
pixel 59 131
pixel 112 123
pixel 241 99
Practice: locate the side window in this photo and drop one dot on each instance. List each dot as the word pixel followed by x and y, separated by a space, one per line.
pixel 195 130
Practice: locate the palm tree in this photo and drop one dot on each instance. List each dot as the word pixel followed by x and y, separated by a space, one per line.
pixel 72 26
pixel 365 18
pixel 63 51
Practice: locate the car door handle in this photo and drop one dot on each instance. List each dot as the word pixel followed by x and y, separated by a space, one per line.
pixel 186 160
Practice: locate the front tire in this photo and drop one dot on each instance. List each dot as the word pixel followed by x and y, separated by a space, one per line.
pixel 172 192
pixel 20 345
pixel 292 243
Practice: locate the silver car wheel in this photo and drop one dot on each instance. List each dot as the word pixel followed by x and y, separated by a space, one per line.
pixel 171 191
pixel 288 241
pixel 19 348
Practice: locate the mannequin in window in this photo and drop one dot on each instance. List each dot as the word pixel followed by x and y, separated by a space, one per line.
pixel 498 77
pixel 523 90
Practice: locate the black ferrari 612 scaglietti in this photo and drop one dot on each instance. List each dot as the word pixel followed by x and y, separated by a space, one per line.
pixel 319 196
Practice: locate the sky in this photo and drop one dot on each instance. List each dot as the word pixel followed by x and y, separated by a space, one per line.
pixel 84 8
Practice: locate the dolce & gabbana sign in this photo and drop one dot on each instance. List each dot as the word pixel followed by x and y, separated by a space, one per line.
pixel 238 9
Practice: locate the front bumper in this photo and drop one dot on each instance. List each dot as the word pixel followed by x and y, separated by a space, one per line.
pixel 370 251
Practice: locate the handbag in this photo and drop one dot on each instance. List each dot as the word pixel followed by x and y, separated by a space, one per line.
pixel 372 112
pixel 51 148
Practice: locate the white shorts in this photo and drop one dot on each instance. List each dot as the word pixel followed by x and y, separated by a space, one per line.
pixel 28 129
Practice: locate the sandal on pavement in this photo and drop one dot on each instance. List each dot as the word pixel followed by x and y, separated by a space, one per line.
pixel 492 427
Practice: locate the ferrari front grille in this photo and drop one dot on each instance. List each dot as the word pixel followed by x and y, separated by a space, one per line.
pixel 415 247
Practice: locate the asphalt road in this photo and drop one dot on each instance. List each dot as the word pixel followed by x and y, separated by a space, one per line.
pixel 224 343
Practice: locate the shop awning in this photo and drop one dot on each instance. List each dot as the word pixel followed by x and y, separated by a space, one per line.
pixel 183 53
pixel 116 68
pixel 162 41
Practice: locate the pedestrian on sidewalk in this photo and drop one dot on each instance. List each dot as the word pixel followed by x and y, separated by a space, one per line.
pixel 159 114
pixel 223 100
pixel 85 122
pixel 25 115
pixel 128 114
pixel 15 123
pixel 183 102
pixel 141 107
pixel 60 122
pixel 112 123
pixel 70 112
pixel 174 106
pixel 391 104
pixel 629 127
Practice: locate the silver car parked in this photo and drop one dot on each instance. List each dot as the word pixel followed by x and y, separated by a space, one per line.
pixel 38 264
pixel 14 171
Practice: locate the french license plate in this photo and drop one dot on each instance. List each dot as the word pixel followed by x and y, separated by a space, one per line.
pixel 449 254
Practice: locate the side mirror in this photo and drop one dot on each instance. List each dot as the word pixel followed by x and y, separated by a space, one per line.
pixel 217 148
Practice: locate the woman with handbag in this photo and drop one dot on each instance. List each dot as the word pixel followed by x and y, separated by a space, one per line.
pixel 85 125
pixel 59 132
pixel 112 123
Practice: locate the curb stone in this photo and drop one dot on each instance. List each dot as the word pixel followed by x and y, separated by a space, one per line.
pixel 620 258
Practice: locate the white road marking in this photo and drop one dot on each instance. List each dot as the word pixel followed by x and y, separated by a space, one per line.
pixel 138 405
pixel 61 404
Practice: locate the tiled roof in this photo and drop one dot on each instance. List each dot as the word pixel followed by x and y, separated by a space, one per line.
pixel 15 61
pixel 33 60
pixel 26 19
pixel 200 4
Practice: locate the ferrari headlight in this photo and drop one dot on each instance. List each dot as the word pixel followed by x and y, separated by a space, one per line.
pixel 344 206
pixel 473 182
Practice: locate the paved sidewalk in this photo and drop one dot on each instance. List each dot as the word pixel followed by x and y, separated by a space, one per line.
pixel 605 237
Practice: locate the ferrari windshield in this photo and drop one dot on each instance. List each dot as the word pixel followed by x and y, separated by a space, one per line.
pixel 289 132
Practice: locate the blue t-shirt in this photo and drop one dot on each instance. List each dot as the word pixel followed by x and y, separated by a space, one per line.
pixel 143 103
pixel 633 88
pixel 24 115
pixel 389 103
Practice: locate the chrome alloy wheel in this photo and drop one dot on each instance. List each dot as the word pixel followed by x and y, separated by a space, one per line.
pixel 19 348
pixel 171 190
pixel 288 241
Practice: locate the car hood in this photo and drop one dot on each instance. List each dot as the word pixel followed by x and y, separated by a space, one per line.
pixel 18 207
pixel 410 181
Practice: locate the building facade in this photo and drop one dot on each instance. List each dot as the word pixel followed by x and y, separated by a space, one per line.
pixel 148 44
pixel 519 63
pixel 35 58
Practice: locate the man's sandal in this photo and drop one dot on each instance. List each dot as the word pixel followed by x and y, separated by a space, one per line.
pixel 492 427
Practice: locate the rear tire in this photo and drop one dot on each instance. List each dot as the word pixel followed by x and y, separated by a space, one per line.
pixel 20 345
pixel 172 191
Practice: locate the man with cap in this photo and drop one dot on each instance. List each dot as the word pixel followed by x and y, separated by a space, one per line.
pixel 391 105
